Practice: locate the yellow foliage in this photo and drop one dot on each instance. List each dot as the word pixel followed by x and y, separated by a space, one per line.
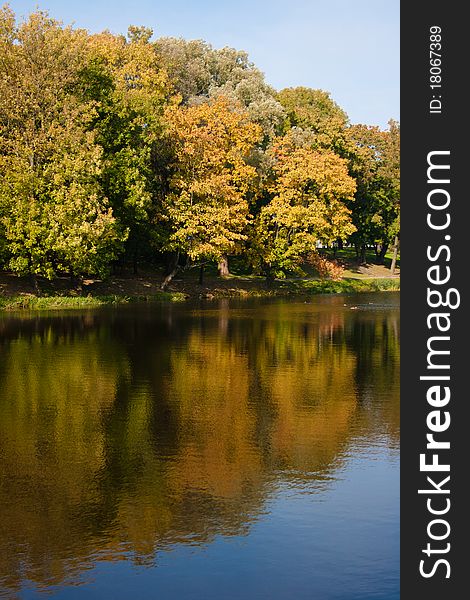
pixel 207 206
pixel 309 190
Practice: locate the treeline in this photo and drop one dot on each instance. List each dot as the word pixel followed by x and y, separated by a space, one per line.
pixel 117 150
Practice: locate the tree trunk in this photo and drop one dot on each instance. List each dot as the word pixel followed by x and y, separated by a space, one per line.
pixel 382 253
pixel 363 254
pixel 79 284
pixel 35 284
pixel 340 244
pixel 268 273
pixel 223 267
pixel 395 254
pixel 172 260
pixel 169 277
pixel 117 266
pixel 171 270
pixel 201 275
pixel 76 282
pixel 134 263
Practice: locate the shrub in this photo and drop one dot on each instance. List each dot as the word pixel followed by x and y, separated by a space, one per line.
pixel 324 267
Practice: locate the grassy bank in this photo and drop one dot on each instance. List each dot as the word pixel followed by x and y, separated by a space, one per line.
pixel 32 302
pixel 347 285
pixel 234 287
pixel 305 288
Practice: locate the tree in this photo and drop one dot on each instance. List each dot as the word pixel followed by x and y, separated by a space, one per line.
pixel 206 210
pixel 130 90
pixel 309 191
pixel 315 111
pixel 199 72
pixel 115 147
pixel 53 212
pixel 375 163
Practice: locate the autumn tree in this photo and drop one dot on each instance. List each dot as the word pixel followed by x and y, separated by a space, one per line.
pixel 53 212
pixel 309 190
pixel 114 149
pixel 206 210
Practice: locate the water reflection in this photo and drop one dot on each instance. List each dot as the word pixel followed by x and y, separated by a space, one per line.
pixel 126 432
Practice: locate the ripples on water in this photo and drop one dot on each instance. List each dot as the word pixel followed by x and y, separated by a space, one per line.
pixel 225 450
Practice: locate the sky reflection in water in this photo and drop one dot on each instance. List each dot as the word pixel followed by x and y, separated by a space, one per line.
pixel 222 450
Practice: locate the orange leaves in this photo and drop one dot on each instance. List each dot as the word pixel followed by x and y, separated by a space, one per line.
pixel 207 206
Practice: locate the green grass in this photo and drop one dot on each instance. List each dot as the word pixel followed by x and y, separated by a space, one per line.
pixel 348 285
pixel 31 302
pixel 243 287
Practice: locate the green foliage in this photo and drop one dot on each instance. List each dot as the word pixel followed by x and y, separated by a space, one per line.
pixel 114 148
pixel 128 124
pixel 315 111
pixel 53 212
pixel 375 164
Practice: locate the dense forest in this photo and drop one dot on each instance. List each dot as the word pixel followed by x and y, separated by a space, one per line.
pixel 124 150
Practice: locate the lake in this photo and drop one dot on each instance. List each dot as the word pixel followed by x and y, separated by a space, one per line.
pixel 213 450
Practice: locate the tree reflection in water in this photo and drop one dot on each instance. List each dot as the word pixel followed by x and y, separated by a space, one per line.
pixel 124 432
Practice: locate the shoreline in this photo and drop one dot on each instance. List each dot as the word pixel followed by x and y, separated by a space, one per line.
pixel 213 289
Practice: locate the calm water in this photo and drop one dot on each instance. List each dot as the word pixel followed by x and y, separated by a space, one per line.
pixel 215 451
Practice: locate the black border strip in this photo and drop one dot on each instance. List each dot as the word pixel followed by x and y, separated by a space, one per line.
pixel 422 132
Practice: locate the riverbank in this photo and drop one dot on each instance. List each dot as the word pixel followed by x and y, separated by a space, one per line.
pixel 17 293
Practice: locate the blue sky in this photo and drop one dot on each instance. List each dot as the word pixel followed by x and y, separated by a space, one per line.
pixel 347 47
